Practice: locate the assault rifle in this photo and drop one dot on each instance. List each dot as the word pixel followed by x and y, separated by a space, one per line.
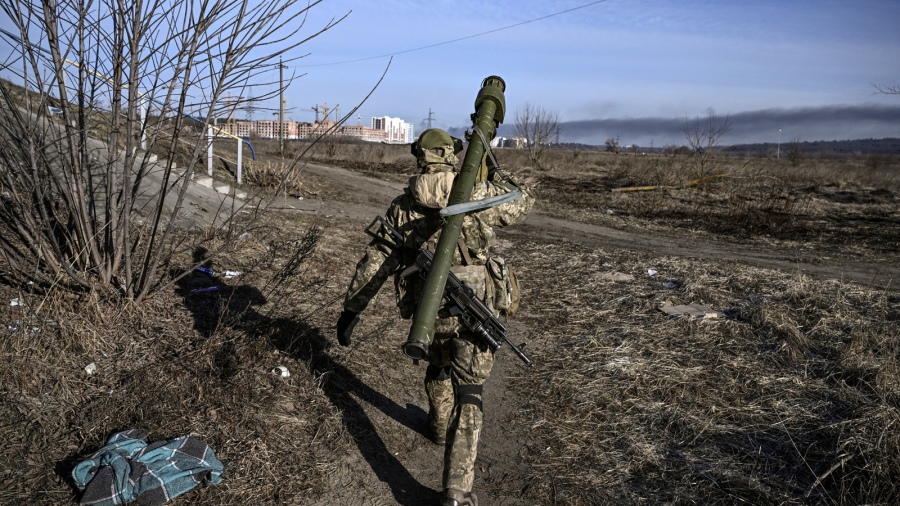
pixel 461 299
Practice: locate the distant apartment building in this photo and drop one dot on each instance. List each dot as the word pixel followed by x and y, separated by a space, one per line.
pixel 509 142
pixel 384 129
pixel 396 131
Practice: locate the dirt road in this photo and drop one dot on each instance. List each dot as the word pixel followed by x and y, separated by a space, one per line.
pixel 358 197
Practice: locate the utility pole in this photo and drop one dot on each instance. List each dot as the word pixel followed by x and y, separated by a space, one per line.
pixel 281 106
pixel 430 118
pixel 778 153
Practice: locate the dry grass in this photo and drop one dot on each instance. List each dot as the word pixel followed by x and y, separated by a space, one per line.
pixel 791 399
pixel 182 363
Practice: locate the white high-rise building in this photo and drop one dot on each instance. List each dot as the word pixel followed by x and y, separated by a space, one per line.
pixel 396 131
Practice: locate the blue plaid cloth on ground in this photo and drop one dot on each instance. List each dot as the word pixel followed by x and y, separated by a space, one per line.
pixel 129 469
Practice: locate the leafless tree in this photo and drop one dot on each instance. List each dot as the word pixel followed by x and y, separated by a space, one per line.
pixel 612 145
pixel 79 207
pixel 539 128
pixel 794 152
pixel 887 90
pixel 703 137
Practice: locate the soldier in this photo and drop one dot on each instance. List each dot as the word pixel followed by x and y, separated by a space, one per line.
pixel 459 361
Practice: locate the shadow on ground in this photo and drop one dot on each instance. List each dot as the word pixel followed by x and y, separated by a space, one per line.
pixel 213 303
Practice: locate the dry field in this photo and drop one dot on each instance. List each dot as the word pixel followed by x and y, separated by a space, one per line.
pixel 791 397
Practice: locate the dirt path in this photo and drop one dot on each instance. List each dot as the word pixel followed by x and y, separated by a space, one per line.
pixel 405 468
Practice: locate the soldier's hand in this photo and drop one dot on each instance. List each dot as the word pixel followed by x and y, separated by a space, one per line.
pixel 345 325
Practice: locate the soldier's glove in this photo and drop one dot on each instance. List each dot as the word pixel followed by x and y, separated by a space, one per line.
pixel 345 325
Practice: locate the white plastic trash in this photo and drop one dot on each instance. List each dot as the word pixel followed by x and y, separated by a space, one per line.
pixel 282 370
pixel 651 272
pixel 15 302
pixel 90 368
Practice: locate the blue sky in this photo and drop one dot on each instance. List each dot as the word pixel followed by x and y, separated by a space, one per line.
pixel 615 62
pixel 635 69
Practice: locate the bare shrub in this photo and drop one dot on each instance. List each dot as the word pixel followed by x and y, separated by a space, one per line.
pixel 794 154
pixel 540 129
pixel 704 137
pixel 98 214
pixel 269 175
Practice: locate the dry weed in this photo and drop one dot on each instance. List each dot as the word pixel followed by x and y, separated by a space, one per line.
pixel 789 400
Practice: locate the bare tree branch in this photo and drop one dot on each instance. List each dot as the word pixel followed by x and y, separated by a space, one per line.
pixel 74 183
pixel 887 90
pixel 539 128
pixel 703 137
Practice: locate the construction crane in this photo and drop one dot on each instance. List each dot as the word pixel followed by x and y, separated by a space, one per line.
pixel 315 109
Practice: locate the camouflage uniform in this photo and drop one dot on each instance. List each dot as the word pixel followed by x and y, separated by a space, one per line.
pixel 459 362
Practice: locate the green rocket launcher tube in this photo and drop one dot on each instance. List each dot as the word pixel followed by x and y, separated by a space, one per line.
pixel 490 108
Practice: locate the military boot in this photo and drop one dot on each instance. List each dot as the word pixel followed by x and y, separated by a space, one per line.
pixel 453 497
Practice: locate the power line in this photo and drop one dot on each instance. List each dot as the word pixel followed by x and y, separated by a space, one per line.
pixel 456 40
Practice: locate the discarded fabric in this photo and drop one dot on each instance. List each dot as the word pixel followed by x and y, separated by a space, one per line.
pixel 129 469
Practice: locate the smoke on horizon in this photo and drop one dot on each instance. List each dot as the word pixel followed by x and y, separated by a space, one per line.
pixel 848 122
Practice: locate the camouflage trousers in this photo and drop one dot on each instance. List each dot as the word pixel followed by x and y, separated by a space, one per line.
pixel 459 398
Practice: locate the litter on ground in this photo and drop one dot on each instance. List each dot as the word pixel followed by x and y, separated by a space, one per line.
pixel 693 310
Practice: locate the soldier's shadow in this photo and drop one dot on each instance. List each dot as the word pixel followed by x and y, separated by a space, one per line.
pixel 343 387
pixel 213 303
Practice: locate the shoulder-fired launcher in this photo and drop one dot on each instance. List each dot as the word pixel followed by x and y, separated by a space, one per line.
pixel 490 108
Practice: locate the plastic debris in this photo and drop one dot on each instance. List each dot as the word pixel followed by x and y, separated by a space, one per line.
pixel 16 327
pixel 231 274
pixel 15 302
pixel 651 272
pixel 204 290
pixel 610 212
pixel 282 371
pixel 205 270
pixel 90 368
pixel 670 284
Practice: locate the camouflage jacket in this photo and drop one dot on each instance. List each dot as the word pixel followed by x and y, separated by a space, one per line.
pixel 415 215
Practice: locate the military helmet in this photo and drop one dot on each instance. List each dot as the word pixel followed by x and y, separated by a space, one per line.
pixel 435 138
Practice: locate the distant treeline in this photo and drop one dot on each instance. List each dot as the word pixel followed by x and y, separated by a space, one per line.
pixel 886 146
pixel 859 146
